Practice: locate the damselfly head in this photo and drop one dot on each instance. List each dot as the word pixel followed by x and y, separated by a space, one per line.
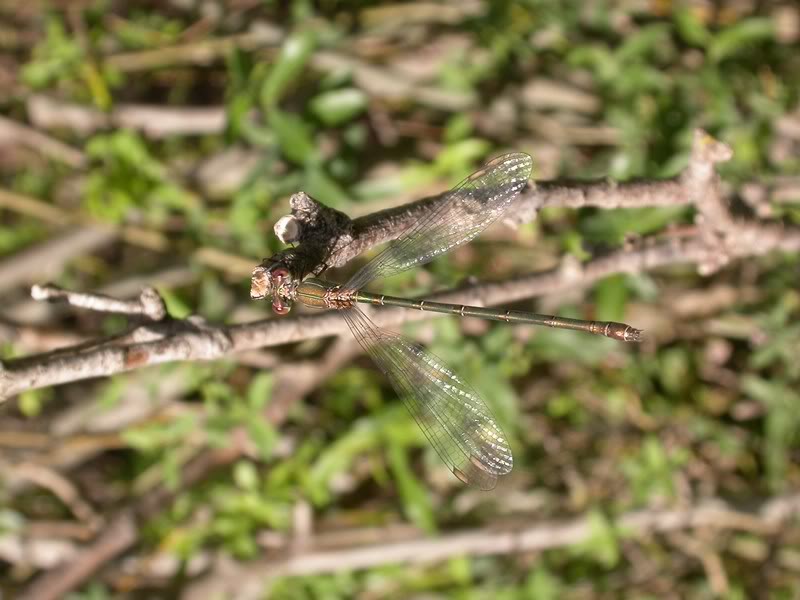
pixel 274 280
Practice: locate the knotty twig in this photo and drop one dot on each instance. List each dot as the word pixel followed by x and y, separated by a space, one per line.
pixel 292 381
pixel 243 581
pixel 149 303
pixel 330 238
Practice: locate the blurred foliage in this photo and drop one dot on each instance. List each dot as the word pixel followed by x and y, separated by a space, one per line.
pixel 596 429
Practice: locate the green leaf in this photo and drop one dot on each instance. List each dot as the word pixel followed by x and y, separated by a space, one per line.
pixel 416 499
pixel 263 435
pixel 573 243
pixel 612 226
pixel 294 136
pixel 651 471
pixel 610 298
pixel 319 185
pixel 602 544
pixel 644 42
pixel 30 402
pixel 58 57
pixel 676 371
pixel 543 585
pixel 245 475
pixel 458 127
pixel 259 391
pixel 176 307
pixel 339 106
pixel 741 37
pixel 781 426
pixel 458 157
pixel 689 26
pixel 291 62
pixel 338 457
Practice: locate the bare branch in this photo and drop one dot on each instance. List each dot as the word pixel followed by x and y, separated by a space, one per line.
pixel 244 581
pixel 293 381
pixel 13 133
pixel 154 121
pixel 149 304
pixel 194 340
pixel 328 238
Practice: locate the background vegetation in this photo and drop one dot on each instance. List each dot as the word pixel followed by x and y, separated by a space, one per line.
pixel 364 105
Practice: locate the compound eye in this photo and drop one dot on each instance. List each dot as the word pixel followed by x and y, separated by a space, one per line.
pixel 279 273
pixel 279 308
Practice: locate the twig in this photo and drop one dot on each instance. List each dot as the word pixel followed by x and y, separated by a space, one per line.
pixel 122 533
pixel 63 488
pixel 711 561
pixel 49 213
pixel 137 236
pixel 34 339
pixel 152 120
pixel 12 133
pixel 149 304
pixel 195 53
pixel 195 340
pixel 245 581
pixel 328 238
pixel 386 83
pixel 23 552
pixel 716 240
pixel 117 537
pixel 47 259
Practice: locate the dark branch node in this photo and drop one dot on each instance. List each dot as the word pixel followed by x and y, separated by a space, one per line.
pixel 322 232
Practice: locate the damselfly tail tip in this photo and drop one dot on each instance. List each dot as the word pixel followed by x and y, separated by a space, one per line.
pixel 633 335
pixel 617 331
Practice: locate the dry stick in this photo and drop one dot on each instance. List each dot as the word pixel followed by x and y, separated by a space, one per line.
pixel 378 81
pixel 138 236
pixel 149 304
pixel 712 562
pixel 32 338
pixel 153 120
pixel 122 533
pixel 195 340
pixel 49 213
pixel 24 552
pixel 329 238
pixel 246 581
pixel 16 133
pixel 210 342
pixel 62 488
pixel 195 53
pixel 321 228
pixel 47 259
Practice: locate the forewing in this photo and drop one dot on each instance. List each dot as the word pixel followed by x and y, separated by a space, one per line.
pixel 457 422
pixel 467 210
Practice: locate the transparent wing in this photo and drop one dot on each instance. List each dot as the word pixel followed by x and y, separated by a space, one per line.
pixel 468 209
pixel 451 414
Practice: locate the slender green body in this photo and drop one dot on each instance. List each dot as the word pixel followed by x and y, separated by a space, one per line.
pixel 322 294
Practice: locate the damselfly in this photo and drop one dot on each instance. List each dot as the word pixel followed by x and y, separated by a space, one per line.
pixel 457 422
